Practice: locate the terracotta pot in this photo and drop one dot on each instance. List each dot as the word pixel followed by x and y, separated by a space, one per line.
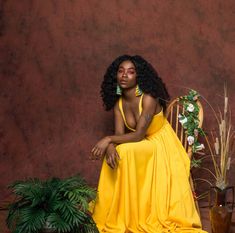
pixel 48 230
pixel 221 210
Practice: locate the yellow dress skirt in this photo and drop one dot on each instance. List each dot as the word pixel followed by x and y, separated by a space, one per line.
pixel 149 190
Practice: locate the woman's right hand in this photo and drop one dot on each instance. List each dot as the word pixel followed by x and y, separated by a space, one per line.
pixel 112 156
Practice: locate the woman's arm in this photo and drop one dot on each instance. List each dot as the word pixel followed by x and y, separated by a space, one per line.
pixel 111 153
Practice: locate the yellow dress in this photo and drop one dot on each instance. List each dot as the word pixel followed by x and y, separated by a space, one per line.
pixel 149 190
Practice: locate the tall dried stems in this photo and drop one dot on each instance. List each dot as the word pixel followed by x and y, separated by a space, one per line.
pixel 221 149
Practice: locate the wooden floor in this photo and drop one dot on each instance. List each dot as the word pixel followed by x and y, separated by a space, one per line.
pixel 204 216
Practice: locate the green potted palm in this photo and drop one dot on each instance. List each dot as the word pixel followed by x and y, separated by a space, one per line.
pixel 53 205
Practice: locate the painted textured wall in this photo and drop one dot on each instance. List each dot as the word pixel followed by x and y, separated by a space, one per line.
pixel 53 55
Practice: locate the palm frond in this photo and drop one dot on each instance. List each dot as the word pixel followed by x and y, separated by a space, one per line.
pixel 62 204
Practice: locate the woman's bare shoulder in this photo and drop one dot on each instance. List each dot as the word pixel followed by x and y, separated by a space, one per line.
pixel 147 98
pixel 150 101
pixel 116 106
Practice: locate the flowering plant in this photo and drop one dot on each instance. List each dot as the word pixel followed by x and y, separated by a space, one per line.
pixel 189 120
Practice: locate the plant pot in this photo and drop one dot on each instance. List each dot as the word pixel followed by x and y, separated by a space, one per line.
pixel 221 211
pixel 48 230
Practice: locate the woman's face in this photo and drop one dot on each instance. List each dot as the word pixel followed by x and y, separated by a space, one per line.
pixel 126 75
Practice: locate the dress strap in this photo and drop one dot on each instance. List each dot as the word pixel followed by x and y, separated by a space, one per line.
pixel 140 104
pixel 123 115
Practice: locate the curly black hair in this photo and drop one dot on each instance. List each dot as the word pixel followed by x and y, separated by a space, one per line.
pixel 147 79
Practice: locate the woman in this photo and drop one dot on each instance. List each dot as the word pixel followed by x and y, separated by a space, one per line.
pixel 143 184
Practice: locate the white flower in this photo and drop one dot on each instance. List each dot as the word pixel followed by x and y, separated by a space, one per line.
pixel 200 147
pixel 182 119
pixel 195 97
pixel 190 108
pixel 190 140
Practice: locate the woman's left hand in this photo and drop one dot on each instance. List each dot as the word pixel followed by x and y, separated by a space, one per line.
pixel 100 148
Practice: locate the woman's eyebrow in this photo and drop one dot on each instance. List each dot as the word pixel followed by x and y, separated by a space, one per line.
pixel 121 67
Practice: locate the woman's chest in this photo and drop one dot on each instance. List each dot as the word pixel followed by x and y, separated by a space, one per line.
pixel 132 114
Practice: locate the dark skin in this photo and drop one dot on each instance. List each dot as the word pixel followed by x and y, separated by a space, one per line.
pixel 126 78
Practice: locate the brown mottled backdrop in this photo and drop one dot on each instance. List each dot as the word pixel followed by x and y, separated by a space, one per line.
pixel 53 54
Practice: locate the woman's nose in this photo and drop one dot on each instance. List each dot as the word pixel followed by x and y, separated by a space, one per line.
pixel 124 74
